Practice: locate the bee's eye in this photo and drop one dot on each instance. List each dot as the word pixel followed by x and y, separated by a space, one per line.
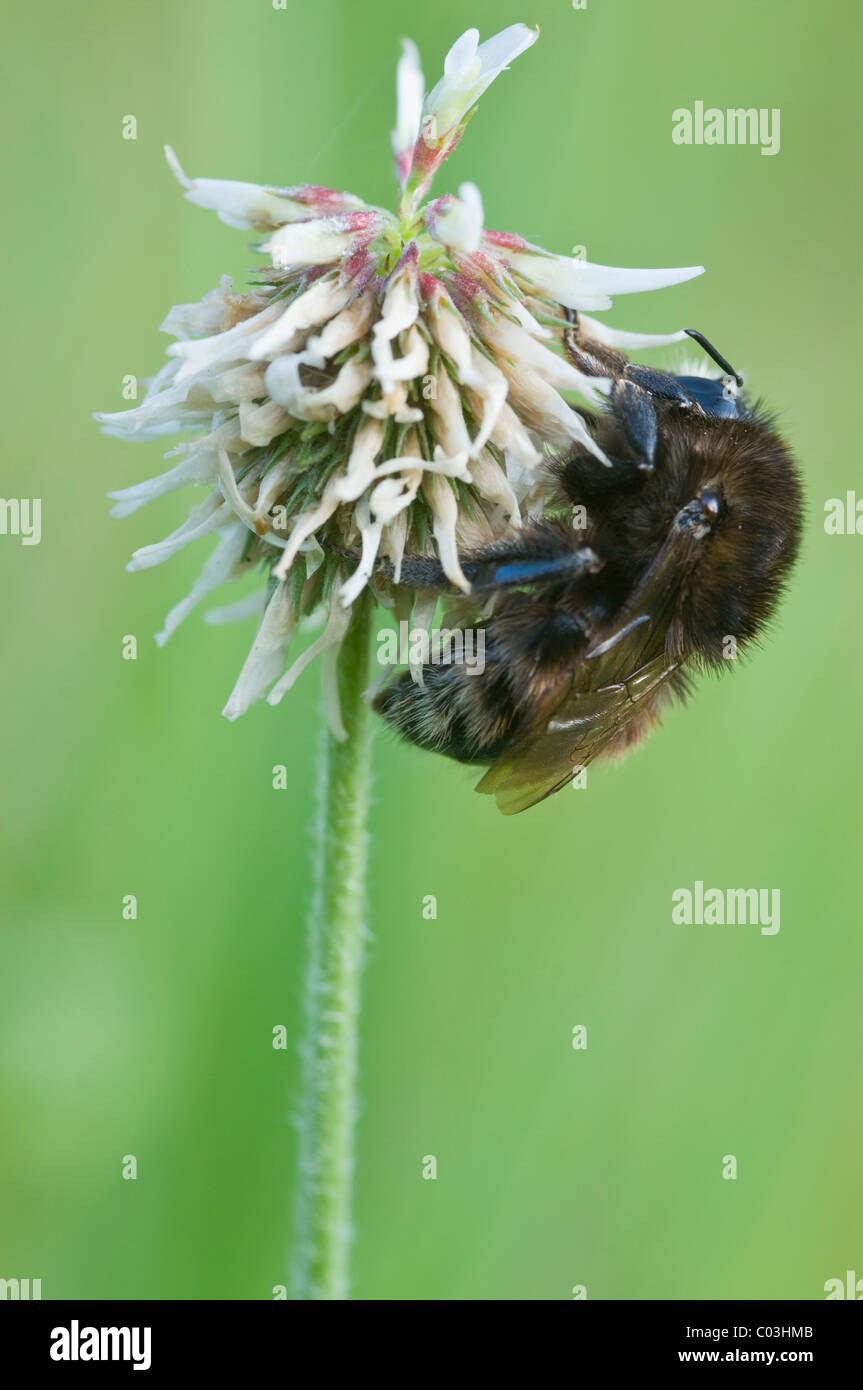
pixel 711 503
pixel 715 397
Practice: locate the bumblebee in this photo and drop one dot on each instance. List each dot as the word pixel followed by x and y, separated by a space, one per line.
pixel 693 525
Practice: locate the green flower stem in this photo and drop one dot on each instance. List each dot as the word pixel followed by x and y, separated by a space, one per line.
pixel 335 959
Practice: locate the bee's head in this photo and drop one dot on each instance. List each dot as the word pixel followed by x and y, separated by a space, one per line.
pixel 738 529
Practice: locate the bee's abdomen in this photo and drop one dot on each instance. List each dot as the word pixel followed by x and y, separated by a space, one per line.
pixel 473 714
pixel 471 718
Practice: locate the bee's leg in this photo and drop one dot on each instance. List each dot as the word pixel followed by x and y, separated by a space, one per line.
pixel 637 415
pixel 536 555
pixel 587 355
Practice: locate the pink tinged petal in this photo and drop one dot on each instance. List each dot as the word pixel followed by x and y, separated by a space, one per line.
pixel 316 201
pixel 315 306
pixel 337 626
pixel 240 205
pixel 506 241
pixel 308 403
pixel 267 656
pixel 488 271
pixel 628 342
pixel 209 516
pixel 444 509
pixel 360 269
pixel 457 221
pixel 322 240
pixel 223 564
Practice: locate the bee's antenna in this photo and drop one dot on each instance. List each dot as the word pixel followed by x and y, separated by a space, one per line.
pixel 717 356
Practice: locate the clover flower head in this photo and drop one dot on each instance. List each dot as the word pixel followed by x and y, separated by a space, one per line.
pixel 391 385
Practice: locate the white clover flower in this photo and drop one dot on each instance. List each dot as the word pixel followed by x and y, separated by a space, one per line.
pixel 391 386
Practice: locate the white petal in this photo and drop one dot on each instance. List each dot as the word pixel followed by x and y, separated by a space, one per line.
pixel 260 424
pixel 457 222
pixel 450 428
pixel 209 516
pixel 243 383
pixel 230 346
pixel 543 410
pixel 316 242
pixel 628 342
pixel 305 526
pixel 314 306
pixel 491 482
pixel 515 345
pixel 393 543
pixel 223 564
pixel 197 466
pixel 410 86
pixel 251 606
pixel 238 204
pixel 582 285
pixel 360 471
pixel 337 626
pixel 310 403
pixel 444 509
pixel 343 330
pixel 203 318
pixel 370 535
pixel 489 387
pixel 469 69
pixel 267 655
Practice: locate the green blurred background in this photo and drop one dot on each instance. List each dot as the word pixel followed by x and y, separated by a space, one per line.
pixel 153 1037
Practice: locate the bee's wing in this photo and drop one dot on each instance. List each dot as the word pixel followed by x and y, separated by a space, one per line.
pixel 614 682
pixel 576 731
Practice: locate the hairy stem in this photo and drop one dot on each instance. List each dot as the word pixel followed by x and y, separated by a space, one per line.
pixel 335 958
